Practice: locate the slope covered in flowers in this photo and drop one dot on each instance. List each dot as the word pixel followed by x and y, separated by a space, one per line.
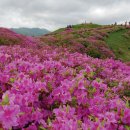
pixel 8 37
pixel 51 88
pixel 89 39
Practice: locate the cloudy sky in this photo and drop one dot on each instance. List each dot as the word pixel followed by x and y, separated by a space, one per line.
pixel 52 14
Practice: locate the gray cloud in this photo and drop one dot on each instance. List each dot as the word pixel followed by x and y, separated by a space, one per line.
pixel 52 14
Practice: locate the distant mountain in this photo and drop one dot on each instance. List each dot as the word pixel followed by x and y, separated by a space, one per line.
pixel 30 31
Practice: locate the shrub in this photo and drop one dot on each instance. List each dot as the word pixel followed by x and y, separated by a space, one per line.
pixel 93 52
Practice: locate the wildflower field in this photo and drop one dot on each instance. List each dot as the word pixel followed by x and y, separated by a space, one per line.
pixel 57 87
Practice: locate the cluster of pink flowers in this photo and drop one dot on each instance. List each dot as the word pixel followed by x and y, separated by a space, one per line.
pixel 51 88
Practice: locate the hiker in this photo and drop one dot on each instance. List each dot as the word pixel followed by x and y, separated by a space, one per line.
pixel 115 23
pixel 69 27
pixel 125 23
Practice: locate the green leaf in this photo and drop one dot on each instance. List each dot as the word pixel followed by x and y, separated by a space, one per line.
pixel 12 80
pixel 49 86
pixel 48 121
pixel 98 80
pixel 79 122
pixel 67 108
pixel 21 113
pixel 41 128
pixel 127 104
pixel 127 127
pixel 5 100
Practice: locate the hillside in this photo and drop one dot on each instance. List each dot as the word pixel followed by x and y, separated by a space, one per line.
pixel 52 85
pixel 30 31
pixel 95 40
pixel 119 42
pixel 92 39
pixel 9 37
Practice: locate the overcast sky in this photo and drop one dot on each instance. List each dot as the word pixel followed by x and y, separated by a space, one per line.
pixel 52 14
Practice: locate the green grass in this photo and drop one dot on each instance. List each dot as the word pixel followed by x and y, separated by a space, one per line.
pixel 120 44
pixel 79 26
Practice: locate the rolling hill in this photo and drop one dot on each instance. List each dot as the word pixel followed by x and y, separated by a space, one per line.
pixel 95 40
pixel 9 37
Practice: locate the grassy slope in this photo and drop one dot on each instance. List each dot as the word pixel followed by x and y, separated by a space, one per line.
pixel 85 38
pixel 86 26
pixel 119 44
pixel 79 26
pixel 116 41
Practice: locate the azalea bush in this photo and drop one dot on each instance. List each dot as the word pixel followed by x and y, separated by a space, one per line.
pixel 51 88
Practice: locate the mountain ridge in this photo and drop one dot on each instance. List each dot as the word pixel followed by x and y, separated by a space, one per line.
pixel 30 31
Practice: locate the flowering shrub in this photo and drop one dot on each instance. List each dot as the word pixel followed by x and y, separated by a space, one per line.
pixel 51 88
